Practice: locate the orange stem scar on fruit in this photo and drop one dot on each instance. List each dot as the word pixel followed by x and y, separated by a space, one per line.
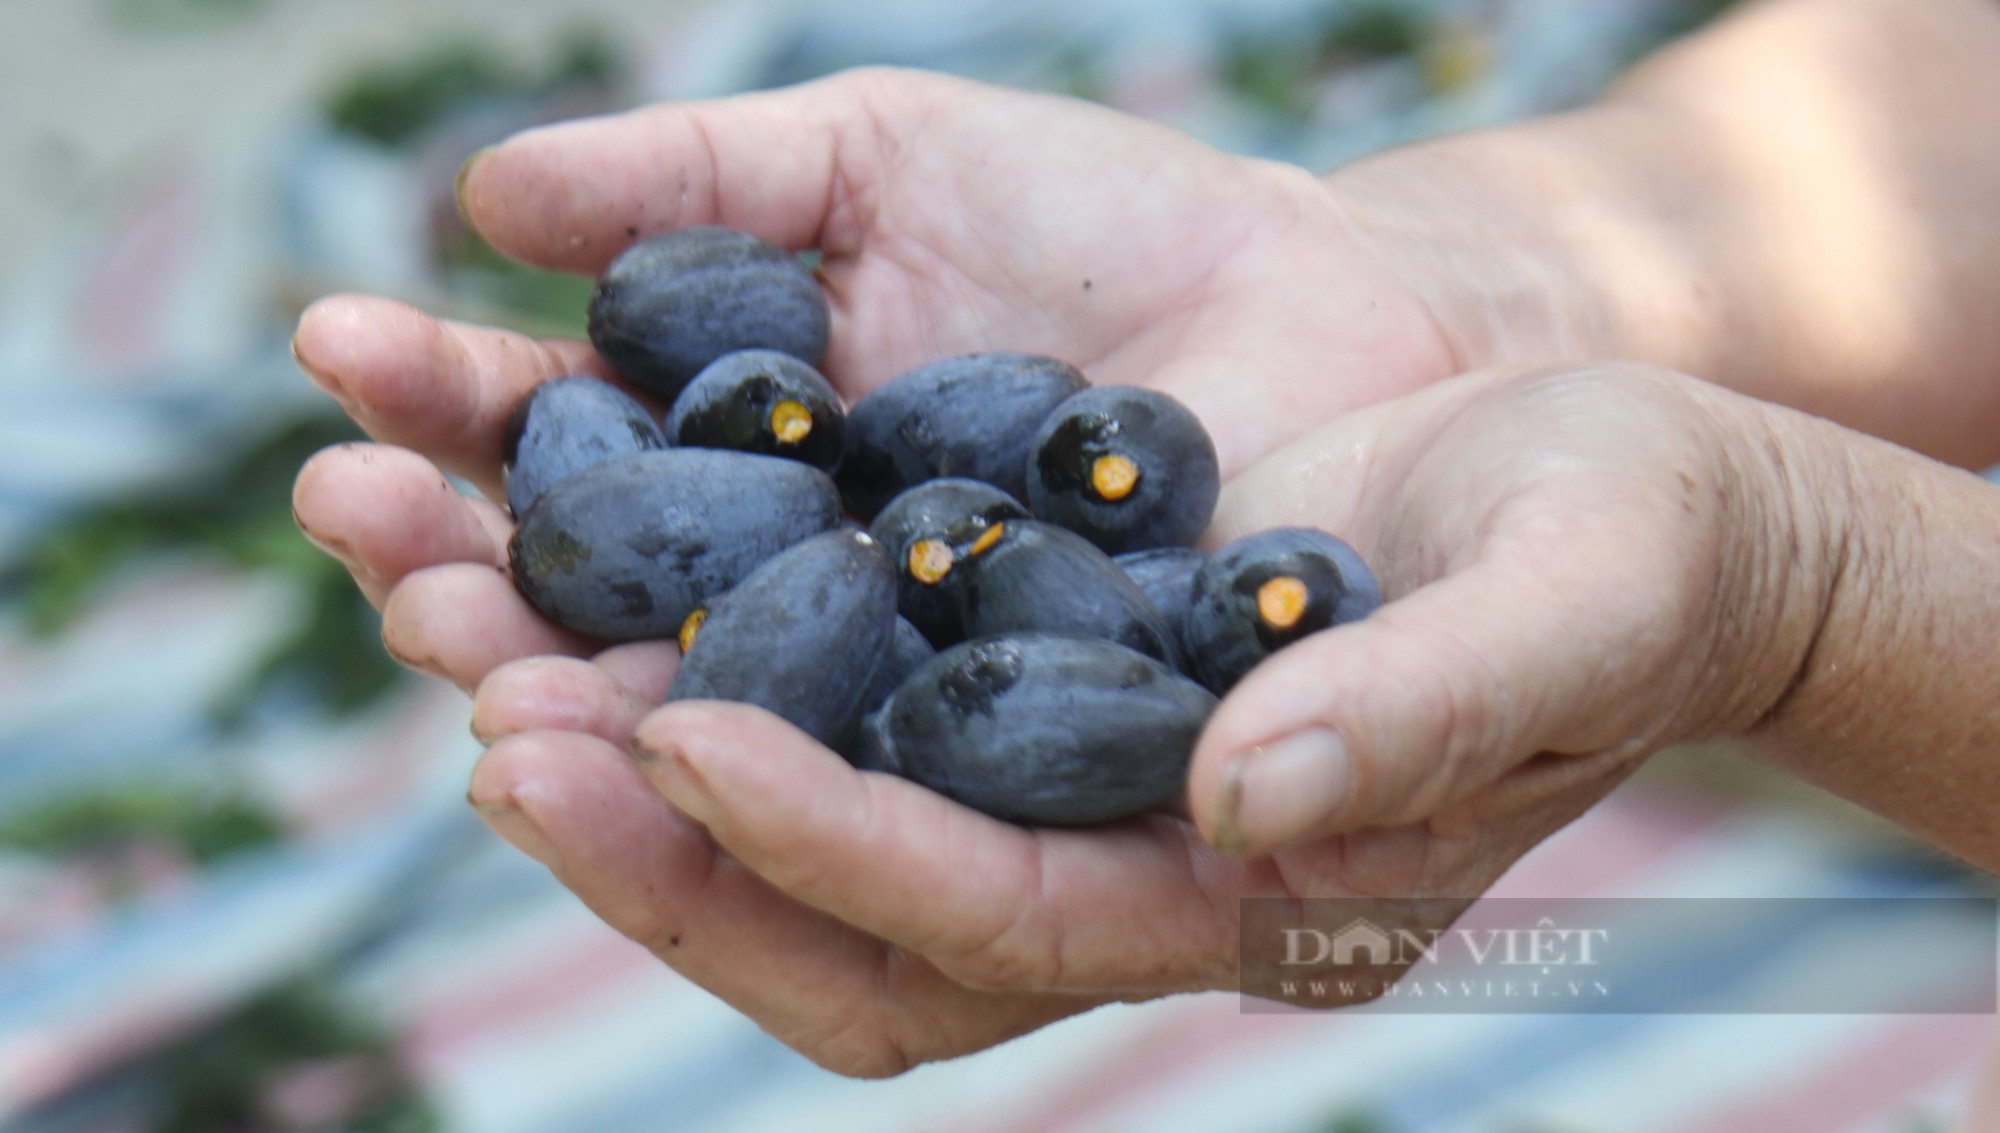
pixel 1113 477
pixel 691 628
pixel 1281 602
pixel 791 422
pixel 986 539
pixel 930 561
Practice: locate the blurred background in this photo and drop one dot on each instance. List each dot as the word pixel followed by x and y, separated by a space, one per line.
pixel 239 887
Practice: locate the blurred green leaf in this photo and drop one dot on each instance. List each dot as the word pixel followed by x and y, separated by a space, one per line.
pixel 239 511
pixel 207 825
pixel 67 568
pixel 334 659
pixel 1271 72
pixel 586 58
pixel 1278 71
pixel 391 103
pixel 1377 31
pixel 229 1079
pixel 554 303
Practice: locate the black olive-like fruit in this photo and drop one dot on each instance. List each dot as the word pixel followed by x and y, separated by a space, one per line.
pixel 567 424
pixel 1166 574
pixel 627 548
pixel 906 650
pixel 786 638
pixel 762 401
pixel 1023 576
pixel 972 416
pixel 1127 468
pixel 1261 593
pixel 671 304
pixel 916 529
pixel 1042 729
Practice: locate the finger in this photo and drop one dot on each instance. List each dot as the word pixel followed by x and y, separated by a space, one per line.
pixel 461 621
pixel 780 164
pixel 556 694
pixel 385 512
pixel 1388 720
pixel 579 805
pixel 1543 588
pixel 646 668
pixel 442 388
pixel 1139 905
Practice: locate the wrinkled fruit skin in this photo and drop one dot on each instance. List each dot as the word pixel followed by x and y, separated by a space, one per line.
pixel 934 510
pixel 787 638
pixel 1039 578
pixel 972 416
pixel 1166 575
pixel 731 403
pixel 1223 633
pixel 626 549
pixel 1177 477
pixel 671 304
pixel 568 424
pixel 1042 730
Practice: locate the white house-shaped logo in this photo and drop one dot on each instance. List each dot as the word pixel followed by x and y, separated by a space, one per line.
pixel 1364 936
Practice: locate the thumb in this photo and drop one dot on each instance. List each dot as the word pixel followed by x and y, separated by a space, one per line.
pixel 1386 721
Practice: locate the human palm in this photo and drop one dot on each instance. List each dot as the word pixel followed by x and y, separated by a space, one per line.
pixel 857 917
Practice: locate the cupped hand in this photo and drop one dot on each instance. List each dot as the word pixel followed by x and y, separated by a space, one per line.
pixel 1538 536
pixel 1583 566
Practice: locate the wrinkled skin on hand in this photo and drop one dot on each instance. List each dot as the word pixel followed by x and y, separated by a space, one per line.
pixel 1561 553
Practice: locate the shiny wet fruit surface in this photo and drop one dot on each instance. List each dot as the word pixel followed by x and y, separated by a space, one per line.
pixel 1261 593
pixel 1166 576
pixel 671 304
pixel 787 637
pixel 628 548
pixel 565 425
pixel 1042 729
pixel 918 527
pixel 1035 577
pixel 972 416
pixel 1130 469
pixel 761 401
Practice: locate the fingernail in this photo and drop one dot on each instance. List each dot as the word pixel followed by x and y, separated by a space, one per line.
pixel 1228 835
pixel 1282 790
pixel 675 777
pixel 512 823
pixel 326 382
pixel 319 378
pixel 332 547
pixel 423 663
pixel 464 175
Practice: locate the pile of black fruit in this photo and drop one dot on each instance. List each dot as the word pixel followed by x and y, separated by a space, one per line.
pixel 978 637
